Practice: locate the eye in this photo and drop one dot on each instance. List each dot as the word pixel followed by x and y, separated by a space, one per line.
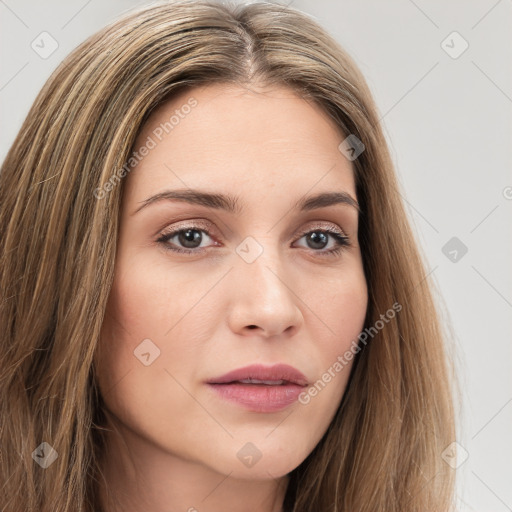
pixel 318 239
pixel 188 240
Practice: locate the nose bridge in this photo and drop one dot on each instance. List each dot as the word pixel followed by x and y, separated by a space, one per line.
pixel 263 295
pixel 259 261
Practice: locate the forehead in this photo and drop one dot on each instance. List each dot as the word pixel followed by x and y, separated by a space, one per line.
pixel 231 138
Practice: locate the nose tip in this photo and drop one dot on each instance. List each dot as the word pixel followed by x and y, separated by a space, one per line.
pixel 262 299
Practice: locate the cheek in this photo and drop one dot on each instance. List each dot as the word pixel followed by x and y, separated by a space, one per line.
pixel 155 318
pixel 340 310
pixel 136 359
pixel 338 319
pixel 150 299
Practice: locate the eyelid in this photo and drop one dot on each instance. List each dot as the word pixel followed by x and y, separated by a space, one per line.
pixel 321 225
pixel 189 224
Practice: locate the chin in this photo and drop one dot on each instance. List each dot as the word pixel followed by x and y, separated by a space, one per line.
pixel 263 463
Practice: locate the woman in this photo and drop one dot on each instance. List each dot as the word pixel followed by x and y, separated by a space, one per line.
pixel 212 298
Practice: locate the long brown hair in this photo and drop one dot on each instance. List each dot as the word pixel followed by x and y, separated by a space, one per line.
pixel 383 450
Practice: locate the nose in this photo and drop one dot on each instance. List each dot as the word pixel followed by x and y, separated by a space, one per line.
pixel 262 300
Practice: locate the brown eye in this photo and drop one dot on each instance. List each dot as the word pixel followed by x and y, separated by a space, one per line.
pixel 318 239
pixel 187 240
pixel 190 238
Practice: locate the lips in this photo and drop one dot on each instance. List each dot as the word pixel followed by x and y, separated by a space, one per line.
pixel 260 388
pixel 275 375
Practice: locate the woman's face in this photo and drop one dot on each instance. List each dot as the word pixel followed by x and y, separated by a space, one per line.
pixel 257 284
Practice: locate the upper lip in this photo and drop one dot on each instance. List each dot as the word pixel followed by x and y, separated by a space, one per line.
pixel 277 372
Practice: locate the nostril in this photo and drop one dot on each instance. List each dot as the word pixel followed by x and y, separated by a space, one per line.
pixel 252 326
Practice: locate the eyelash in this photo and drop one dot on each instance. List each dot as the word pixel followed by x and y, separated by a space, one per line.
pixel 341 239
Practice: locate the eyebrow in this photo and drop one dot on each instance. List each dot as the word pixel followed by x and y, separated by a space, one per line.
pixel 232 205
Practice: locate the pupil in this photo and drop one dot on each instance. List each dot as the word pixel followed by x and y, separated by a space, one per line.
pixel 317 237
pixel 189 237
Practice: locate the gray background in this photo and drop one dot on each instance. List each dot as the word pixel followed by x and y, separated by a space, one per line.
pixel 448 123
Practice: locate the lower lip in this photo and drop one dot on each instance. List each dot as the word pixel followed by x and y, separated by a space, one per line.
pixel 259 397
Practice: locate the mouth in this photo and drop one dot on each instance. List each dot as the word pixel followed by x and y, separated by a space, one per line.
pixel 274 375
pixel 260 382
pixel 260 388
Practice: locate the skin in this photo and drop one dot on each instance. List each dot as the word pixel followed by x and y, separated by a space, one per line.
pixel 173 443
